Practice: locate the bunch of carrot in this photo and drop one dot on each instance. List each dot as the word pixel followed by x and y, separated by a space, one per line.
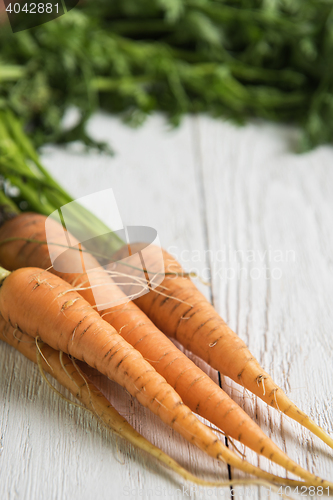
pixel 55 313
pixel 129 342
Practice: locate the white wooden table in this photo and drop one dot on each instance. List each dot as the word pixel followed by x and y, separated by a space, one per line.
pixel 265 215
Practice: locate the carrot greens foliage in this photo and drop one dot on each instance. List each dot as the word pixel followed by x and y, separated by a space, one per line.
pixel 235 59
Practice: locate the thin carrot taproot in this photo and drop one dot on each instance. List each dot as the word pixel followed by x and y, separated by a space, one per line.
pixel 63 369
pixel 196 388
pixel 44 306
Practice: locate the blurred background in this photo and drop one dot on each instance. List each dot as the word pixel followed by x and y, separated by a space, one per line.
pixel 236 59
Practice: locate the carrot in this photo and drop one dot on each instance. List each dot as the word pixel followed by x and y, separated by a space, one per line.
pixel 65 371
pixel 193 321
pixel 44 306
pixel 196 389
pixel 62 369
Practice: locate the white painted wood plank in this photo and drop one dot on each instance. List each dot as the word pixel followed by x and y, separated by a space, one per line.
pixel 261 197
pixel 48 449
pixel 255 195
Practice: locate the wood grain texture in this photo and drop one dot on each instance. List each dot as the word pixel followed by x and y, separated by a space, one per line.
pixel 272 211
pixel 206 186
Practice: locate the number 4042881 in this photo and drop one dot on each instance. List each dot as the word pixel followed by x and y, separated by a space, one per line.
pixel 311 491
pixel 33 8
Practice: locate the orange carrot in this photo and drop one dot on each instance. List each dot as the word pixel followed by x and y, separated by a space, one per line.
pixel 193 321
pixel 62 369
pixel 66 372
pixel 196 389
pixel 44 306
